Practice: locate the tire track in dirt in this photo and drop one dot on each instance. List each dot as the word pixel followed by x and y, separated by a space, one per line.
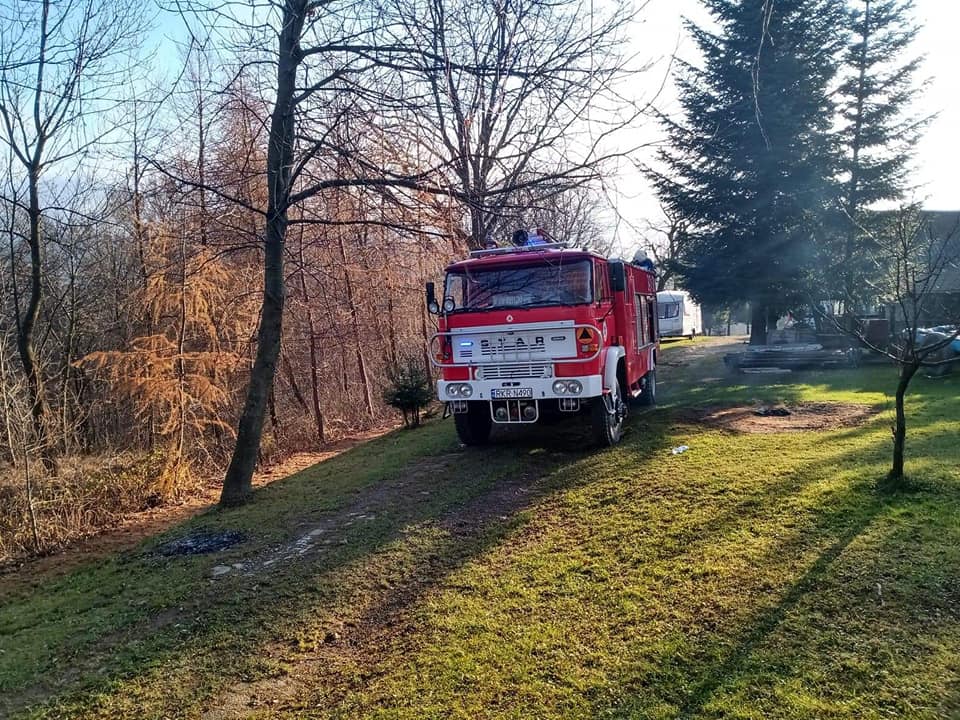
pixel 385 622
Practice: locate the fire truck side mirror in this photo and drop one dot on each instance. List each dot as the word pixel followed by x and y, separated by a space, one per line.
pixel 618 276
pixel 432 305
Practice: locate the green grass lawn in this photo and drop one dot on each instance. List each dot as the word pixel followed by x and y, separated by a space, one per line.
pixel 754 576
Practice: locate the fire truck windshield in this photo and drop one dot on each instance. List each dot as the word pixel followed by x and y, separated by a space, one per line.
pixel 520 286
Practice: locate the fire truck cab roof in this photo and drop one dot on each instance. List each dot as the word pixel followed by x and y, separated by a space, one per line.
pixel 511 256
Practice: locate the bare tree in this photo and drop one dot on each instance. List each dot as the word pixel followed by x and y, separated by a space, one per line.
pixel 522 95
pixel 315 54
pixel 667 243
pixel 63 65
pixel 580 215
pixel 329 70
pixel 917 261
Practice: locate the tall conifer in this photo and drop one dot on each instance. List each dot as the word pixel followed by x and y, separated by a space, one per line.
pixel 878 133
pixel 750 163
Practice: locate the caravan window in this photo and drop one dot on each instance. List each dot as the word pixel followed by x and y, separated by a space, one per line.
pixel 667 310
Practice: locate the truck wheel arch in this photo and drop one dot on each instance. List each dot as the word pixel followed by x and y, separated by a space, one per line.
pixel 611 362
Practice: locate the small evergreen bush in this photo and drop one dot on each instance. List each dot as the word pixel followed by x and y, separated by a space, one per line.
pixel 409 389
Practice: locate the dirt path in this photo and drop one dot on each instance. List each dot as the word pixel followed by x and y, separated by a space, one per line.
pixel 138 526
pixel 382 616
pixel 684 353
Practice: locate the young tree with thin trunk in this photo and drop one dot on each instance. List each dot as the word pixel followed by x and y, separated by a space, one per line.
pixel 917 275
pixel 179 371
pixel 63 69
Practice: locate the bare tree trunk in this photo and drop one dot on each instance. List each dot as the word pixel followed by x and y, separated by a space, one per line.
pixel 896 476
pixel 31 505
pixel 427 366
pixel 238 483
pixel 476 225
pixel 138 227
pixel 25 335
pixel 7 405
pixel 201 165
pixel 315 383
pixel 140 239
pixel 176 462
pixel 312 343
pixel 758 324
pixel 358 337
pixel 275 420
pixel 67 368
pixel 392 326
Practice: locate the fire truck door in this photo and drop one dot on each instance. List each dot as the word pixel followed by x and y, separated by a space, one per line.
pixel 646 334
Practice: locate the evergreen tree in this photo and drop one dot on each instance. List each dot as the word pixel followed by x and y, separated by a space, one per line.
pixel 750 163
pixel 878 133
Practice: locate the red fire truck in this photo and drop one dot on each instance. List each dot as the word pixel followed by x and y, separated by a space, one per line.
pixel 530 332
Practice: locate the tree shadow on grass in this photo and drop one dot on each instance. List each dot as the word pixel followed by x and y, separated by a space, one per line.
pixel 115 633
pixel 128 626
pixel 836 525
pixel 912 619
pixel 768 622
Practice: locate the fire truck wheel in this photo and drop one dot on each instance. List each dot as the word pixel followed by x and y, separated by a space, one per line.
pixel 607 426
pixel 648 396
pixel 473 426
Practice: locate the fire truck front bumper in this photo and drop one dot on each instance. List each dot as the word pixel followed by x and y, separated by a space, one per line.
pixel 581 387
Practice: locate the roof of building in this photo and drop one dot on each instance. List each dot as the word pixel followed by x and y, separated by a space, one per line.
pixel 945 227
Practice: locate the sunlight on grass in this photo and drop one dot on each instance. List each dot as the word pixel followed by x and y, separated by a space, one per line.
pixel 754 576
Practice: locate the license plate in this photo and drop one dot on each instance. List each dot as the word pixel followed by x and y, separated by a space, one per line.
pixel 512 394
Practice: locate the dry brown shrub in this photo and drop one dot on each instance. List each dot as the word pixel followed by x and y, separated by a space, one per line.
pixel 179 372
pixel 89 495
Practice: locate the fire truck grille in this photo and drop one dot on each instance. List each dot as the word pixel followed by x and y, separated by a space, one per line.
pixel 518 347
pixel 514 371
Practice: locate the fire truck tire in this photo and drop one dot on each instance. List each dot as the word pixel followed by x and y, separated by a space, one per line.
pixel 608 427
pixel 648 396
pixel 473 426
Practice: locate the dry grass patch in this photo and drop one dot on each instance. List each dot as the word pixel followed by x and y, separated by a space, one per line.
pixel 88 495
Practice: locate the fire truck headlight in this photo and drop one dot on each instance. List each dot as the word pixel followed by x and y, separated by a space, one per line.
pixel 459 390
pixel 567 387
pixel 449 305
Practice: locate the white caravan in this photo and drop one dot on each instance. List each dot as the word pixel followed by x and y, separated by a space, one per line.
pixel 679 315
